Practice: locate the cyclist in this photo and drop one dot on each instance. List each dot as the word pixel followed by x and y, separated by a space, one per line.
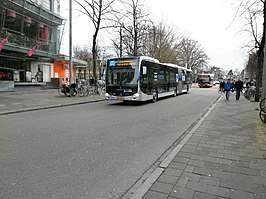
pixel 227 89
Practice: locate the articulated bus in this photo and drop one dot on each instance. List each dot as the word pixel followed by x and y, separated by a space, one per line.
pixel 144 78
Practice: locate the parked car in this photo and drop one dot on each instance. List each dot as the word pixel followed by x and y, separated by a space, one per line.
pixel 216 83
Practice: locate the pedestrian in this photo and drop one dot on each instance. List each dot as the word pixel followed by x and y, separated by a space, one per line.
pixel 238 88
pixel 227 89
pixel 233 86
pixel 221 86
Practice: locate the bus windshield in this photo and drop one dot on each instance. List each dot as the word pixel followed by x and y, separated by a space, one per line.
pixel 121 72
pixel 204 79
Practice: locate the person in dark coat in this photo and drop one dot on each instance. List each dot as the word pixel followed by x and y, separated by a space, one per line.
pixel 221 86
pixel 238 88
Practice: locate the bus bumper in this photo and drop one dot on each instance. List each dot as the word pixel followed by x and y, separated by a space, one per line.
pixel 134 97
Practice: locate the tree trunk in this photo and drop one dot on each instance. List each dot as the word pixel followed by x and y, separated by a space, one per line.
pixel 94 58
pixel 259 74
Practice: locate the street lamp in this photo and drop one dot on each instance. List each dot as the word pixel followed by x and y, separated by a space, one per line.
pixel 70 41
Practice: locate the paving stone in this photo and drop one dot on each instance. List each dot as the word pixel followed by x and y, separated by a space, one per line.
pixel 213 166
pixel 199 195
pixel 223 151
pixel 218 191
pixel 232 157
pixel 170 179
pixel 230 168
pixel 237 153
pixel 221 174
pixel 240 177
pixel 217 155
pixel 263 173
pixel 210 180
pixel 203 171
pixel 260 195
pixel 197 163
pixel 201 152
pixel 259 180
pixel 162 187
pixel 173 172
pixel 249 171
pixel 241 164
pixel 181 159
pixel 196 186
pixel 190 176
pixel 221 144
pixel 190 146
pixel 187 150
pixel 242 185
pixel 236 194
pixel 179 192
pixel 189 169
pixel 184 154
pixel 153 195
pixel 257 166
pixel 177 165
pixel 182 182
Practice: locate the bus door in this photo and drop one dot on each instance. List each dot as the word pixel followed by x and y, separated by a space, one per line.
pixel 184 82
pixel 180 80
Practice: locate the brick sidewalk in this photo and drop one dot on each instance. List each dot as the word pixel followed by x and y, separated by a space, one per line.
pixel 224 158
pixel 11 102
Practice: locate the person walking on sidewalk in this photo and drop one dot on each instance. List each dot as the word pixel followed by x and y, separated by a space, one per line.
pixel 238 88
pixel 221 86
pixel 227 89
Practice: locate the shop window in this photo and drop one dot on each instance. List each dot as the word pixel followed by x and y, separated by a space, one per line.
pixel 13 21
pixel 6 74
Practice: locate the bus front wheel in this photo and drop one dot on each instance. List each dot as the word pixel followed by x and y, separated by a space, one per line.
pixel 154 95
pixel 175 92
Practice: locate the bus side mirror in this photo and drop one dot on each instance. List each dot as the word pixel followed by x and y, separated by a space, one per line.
pixel 144 70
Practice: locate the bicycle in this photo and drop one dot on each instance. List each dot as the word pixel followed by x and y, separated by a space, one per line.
pixel 262 113
pixel 249 93
pixel 69 91
pixel 64 90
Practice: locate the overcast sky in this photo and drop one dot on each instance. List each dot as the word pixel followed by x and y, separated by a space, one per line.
pixel 207 21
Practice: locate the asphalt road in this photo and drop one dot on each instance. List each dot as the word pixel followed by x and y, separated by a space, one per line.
pixel 97 150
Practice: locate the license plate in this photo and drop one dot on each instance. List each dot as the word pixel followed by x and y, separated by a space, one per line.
pixel 121 98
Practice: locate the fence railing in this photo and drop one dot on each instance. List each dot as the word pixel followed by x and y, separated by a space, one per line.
pixel 19 40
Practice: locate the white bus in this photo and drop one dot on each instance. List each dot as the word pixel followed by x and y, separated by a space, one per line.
pixel 144 78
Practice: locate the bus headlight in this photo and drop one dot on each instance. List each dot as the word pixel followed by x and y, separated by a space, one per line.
pixel 107 96
pixel 135 96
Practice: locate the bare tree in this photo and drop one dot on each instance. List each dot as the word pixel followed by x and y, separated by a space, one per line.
pixel 255 9
pixel 160 43
pixel 98 12
pixel 135 26
pixel 251 65
pixel 84 54
pixel 189 52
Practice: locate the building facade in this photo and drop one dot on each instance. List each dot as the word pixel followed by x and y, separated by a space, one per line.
pixel 31 29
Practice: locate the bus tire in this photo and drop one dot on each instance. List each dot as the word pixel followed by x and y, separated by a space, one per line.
pixel 175 92
pixel 154 95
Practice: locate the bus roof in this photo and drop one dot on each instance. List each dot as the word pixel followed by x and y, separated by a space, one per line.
pixel 172 65
pixel 140 57
pixel 153 60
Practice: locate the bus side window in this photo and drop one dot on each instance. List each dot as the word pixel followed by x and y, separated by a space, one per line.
pixel 144 70
pixel 183 75
pixel 144 75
